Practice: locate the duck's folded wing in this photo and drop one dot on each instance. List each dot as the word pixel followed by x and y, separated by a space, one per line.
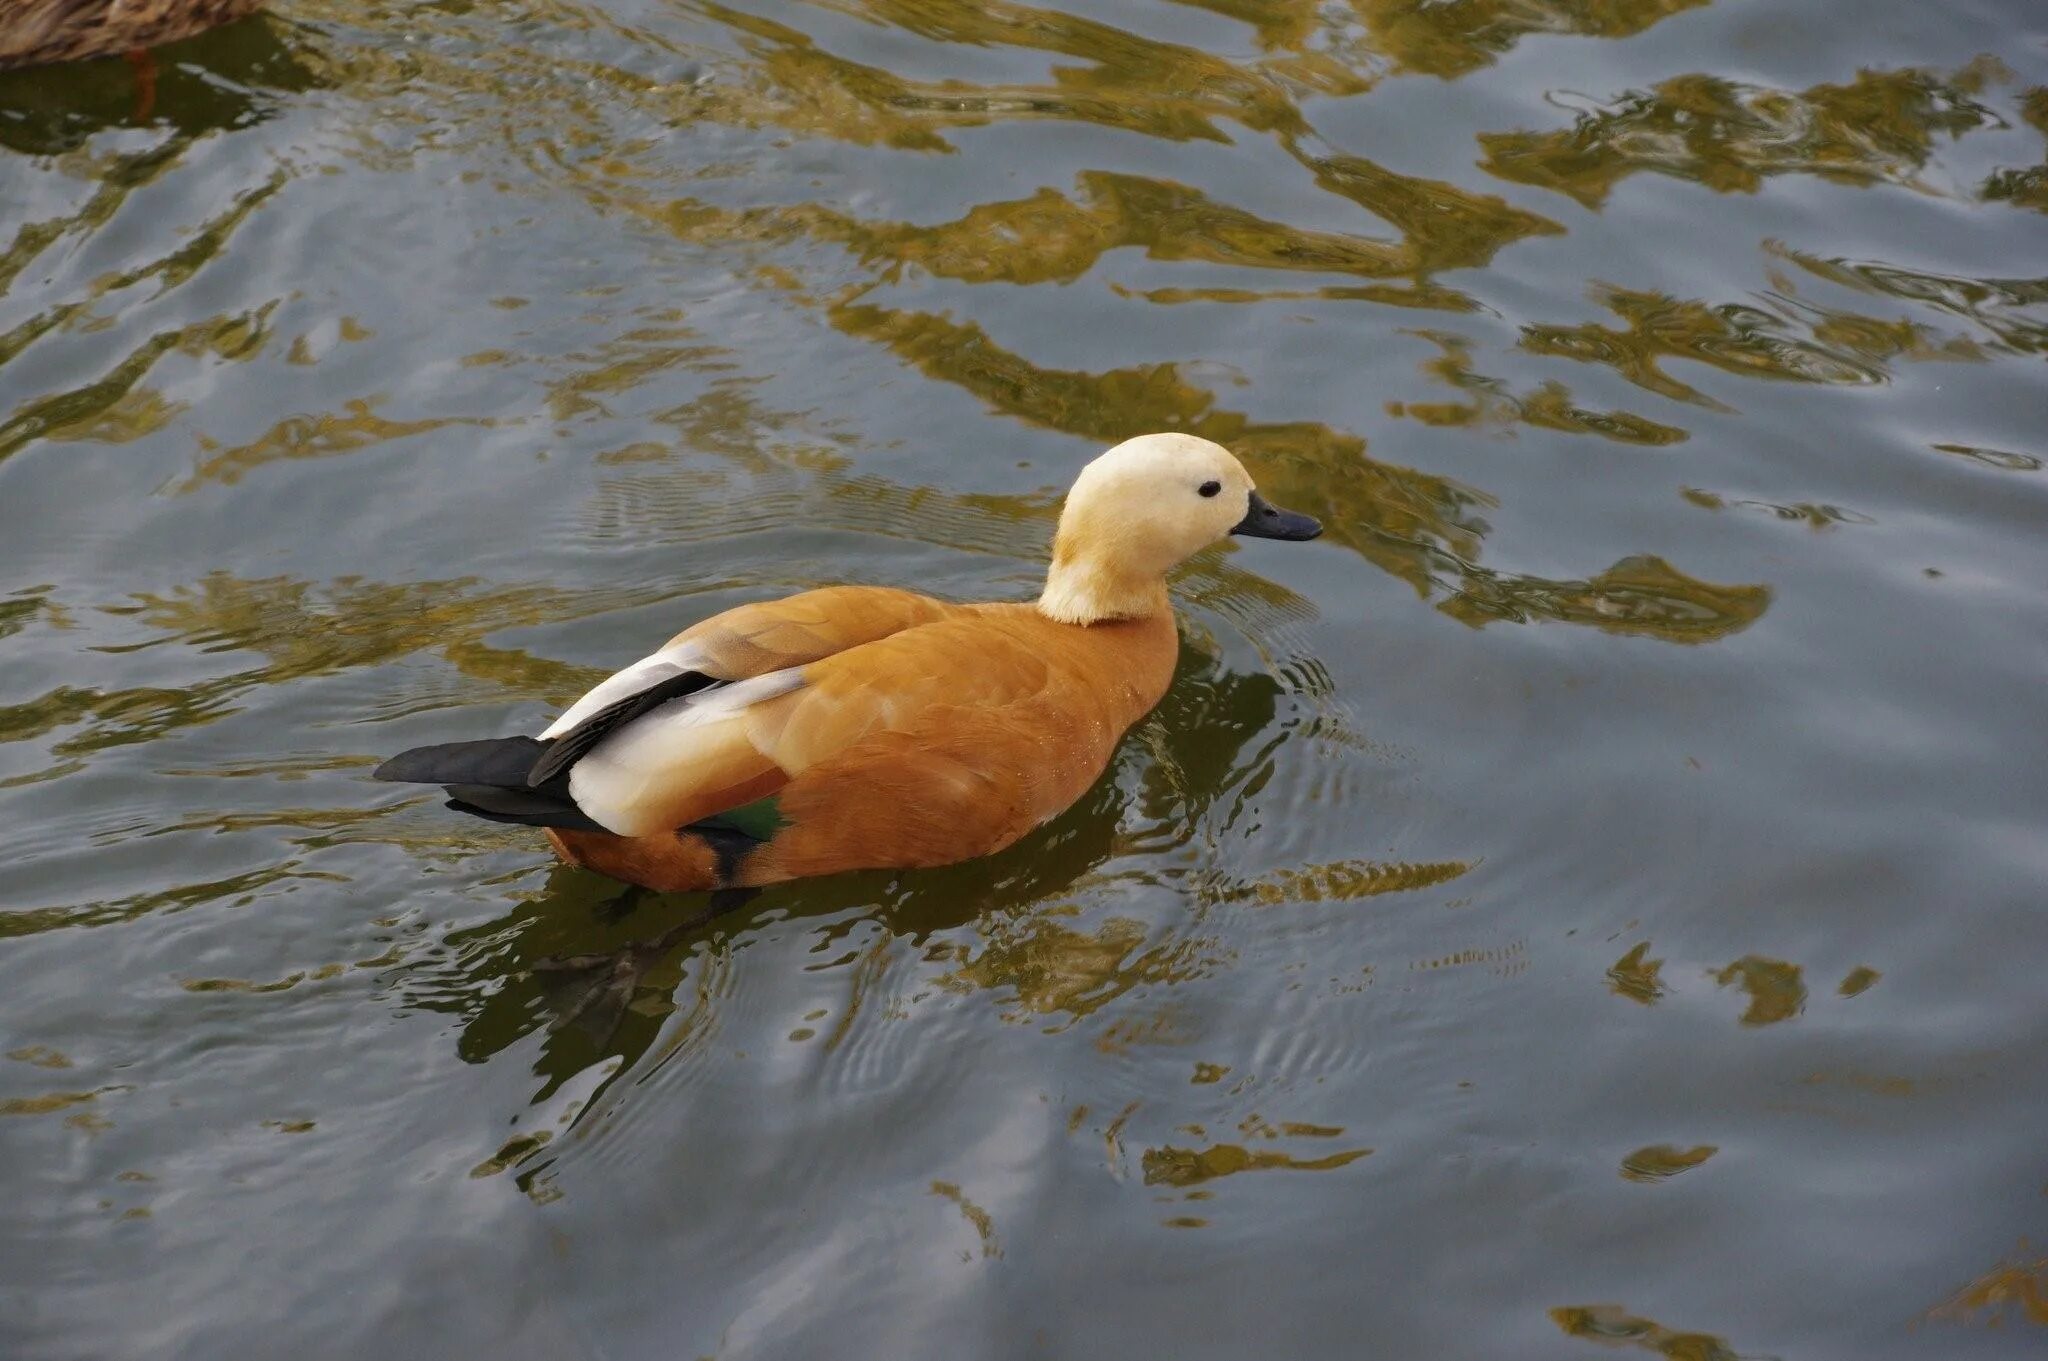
pixel 686 760
pixel 742 643
pixel 752 640
pixel 712 751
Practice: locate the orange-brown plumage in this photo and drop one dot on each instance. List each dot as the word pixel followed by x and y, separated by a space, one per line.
pixel 944 741
pixel 859 727
pixel 35 32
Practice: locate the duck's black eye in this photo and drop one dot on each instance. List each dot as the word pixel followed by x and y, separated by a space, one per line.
pixel 1210 488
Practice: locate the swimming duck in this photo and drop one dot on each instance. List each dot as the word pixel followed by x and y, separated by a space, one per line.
pixel 34 32
pixel 861 727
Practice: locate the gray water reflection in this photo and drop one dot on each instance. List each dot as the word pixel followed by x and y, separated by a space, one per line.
pixel 1556 914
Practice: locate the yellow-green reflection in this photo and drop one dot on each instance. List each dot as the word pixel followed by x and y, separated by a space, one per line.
pixel 727 422
pixel 1636 976
pixel 1776 990
pixel 1616 1327
pixel 1171 1166
pixel 1812 514
pixel 1548 407
pixel 1661 1162
pixel 1099 73
pixel 1116 78
pixel 1160 1025
pixel 1446 227
pixel 2005 459
pixel 51 1103
pixel 1131 82
pixel 233 890
pixel 1334 882
pixel 512 1152
pixel 1504 961
pixel 136 414
pixel 1050 968
pixel 356 426
pixel 980 1220
pixel 622 363
pixel 34 605
pixel 1054 237
pixel 1425 529
pixel 791 82
pixel 1993 304
pixel 113 406
pixel 384 959
pixel 1880 127
pixel 1451 40
pixel 2029 187
pixel 305 631
pixel 1641 595
pixel 2015 1291
pixel 1875 339
pixel 1735 338
pixel 1310 47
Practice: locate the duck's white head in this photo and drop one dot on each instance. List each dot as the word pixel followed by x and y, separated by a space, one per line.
pixel 1140 510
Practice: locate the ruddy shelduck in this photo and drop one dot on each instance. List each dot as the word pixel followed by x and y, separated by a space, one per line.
pixel 859 727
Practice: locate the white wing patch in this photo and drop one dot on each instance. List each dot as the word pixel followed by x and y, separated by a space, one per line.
pixel 613 780
pixel 644 674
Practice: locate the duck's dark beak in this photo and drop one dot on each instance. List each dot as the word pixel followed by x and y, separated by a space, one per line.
pixel 1264 520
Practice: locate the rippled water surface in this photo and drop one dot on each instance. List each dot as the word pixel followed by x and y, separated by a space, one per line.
pixel 1590 903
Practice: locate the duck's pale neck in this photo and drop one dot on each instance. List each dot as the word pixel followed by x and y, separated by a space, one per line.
pixel 1093 588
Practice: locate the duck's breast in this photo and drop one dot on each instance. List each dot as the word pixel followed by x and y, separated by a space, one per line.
pixel 952 742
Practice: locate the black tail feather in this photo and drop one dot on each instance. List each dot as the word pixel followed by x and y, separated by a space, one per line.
pixel 498 761
pixel 487 779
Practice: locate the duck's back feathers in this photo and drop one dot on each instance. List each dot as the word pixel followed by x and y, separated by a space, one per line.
pixel 774 635
pixel 753 640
